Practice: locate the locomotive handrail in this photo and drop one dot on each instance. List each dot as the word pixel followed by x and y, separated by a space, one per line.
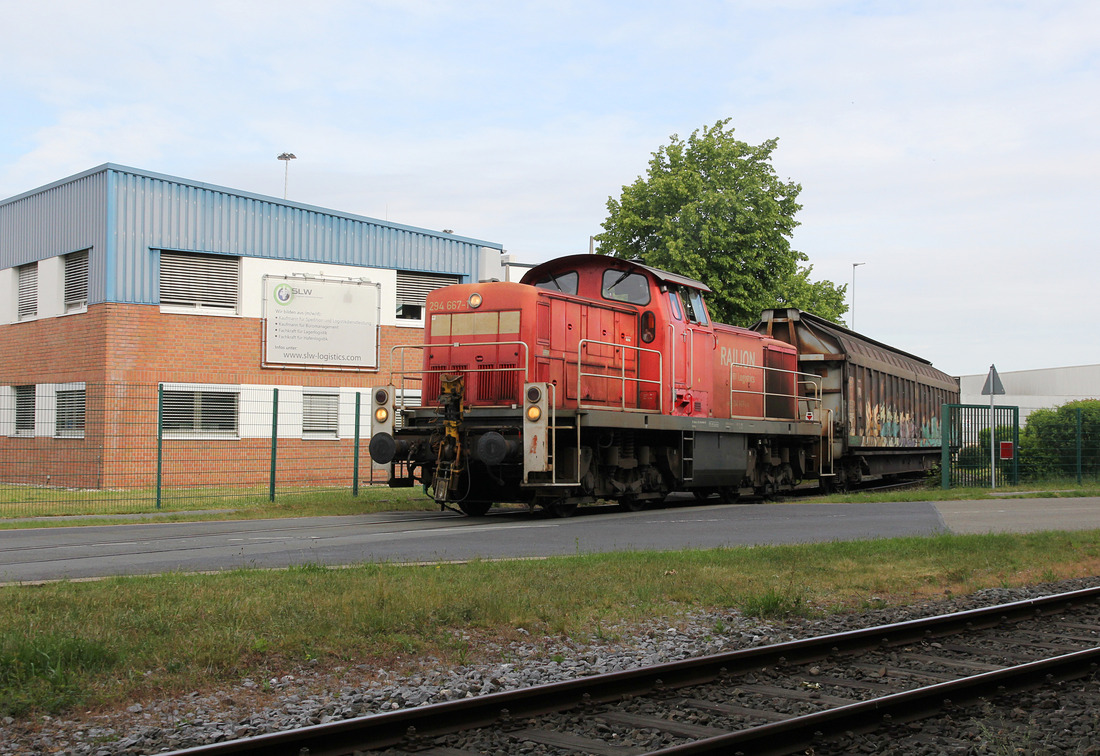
pixel 552 388
pixel 622 377
pixel 811 381
pixel 418 375
pixel 821 463
pixel 672 365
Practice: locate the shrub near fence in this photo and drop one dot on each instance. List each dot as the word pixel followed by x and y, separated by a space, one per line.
pixel 1063 442
pixel 142 445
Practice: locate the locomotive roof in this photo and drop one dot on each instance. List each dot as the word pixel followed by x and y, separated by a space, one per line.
pixel 579 261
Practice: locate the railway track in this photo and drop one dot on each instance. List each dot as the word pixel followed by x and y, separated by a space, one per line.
pixel 817 695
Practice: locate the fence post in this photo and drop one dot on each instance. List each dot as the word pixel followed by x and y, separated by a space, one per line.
pixel 355 459
pixel 1016 446
pixel 160 437
pixel 274 442
pixel 945 447
pixel 1078 446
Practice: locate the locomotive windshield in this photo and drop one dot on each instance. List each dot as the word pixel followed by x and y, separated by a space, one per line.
pixel 625 286
pixel 566 283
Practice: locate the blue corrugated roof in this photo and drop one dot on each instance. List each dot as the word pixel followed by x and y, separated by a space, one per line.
pixel 128 218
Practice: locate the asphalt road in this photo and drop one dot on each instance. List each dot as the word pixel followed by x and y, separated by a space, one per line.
pixel 154 547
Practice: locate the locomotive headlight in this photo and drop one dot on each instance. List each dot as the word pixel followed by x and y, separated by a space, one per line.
pixel 381 396
pixel 474 301
pixel 381 415
pixel 534 414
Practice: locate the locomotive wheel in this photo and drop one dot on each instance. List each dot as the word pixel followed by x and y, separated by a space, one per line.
pixel 701 494
pixel 475 508
pixel 632 504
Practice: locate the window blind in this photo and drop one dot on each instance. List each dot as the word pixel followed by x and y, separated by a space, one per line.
pixel 320 414
pixel 28 291
pixel 193 280
pixel 76 280
pixel 413 288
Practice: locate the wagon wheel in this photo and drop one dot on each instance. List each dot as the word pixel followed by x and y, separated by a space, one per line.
pixel 475 508
pixel 838 483
pixel 701 494
pixel 729 494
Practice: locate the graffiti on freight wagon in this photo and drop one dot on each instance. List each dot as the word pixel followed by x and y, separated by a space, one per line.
pixel 885 426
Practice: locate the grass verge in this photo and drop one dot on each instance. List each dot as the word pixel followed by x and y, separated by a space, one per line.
pixel 214 505
pixel 98 643
pixel 61 508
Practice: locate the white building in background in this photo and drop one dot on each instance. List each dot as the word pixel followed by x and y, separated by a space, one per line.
pixel 1035 389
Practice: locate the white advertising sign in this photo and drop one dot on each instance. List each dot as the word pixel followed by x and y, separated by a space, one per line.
pixel 320 322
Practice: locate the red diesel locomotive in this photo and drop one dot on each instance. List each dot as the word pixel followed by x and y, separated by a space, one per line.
pixel 600 378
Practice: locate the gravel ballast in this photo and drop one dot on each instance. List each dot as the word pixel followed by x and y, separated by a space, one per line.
pixel 315 694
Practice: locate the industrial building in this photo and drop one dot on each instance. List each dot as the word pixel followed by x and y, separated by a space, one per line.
pixel 119 284
pixel 1030 390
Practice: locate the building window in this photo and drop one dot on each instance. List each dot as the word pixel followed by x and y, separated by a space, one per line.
pixel 70 414
pixel 412 292
pixel 24 410
pixel 205 413
pixel 209 282
pixel 320 415
pixel 28 291
pixel 76 281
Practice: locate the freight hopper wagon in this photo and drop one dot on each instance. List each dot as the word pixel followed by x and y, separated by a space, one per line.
pixel 593 378
pixel 884 405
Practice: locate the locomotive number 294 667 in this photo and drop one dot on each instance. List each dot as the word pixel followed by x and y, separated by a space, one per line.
pixel 449 305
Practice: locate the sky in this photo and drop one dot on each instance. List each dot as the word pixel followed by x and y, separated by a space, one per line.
pixel 952 147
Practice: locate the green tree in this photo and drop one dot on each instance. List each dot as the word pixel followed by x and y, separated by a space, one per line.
pixel 712 208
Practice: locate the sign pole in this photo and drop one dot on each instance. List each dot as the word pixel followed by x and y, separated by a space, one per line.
pixel 992 445
pixel 993 386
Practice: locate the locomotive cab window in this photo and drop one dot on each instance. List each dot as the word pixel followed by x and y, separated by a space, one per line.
pixel 674 300
pixel 625 286
pixel 693 305
pixel 566 283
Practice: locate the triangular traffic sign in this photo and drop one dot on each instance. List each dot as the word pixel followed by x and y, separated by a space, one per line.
pixel 993 383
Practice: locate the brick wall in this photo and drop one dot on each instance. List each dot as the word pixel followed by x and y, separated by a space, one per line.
pixel 122 352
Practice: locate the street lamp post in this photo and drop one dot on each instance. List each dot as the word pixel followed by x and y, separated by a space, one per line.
pixel 854 266
pixel 286 157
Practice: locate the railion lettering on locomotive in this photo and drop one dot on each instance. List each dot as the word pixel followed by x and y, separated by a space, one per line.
pixel 739 357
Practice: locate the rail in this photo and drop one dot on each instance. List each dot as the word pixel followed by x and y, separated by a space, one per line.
pixel 415 728
pixel 622 377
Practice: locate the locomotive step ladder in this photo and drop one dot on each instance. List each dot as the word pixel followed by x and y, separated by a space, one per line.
pixel 564 424
pixel 687 455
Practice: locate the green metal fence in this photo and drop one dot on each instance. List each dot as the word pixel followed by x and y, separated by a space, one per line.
pixel 970 456
pixel 81 448
pixel 1062 443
